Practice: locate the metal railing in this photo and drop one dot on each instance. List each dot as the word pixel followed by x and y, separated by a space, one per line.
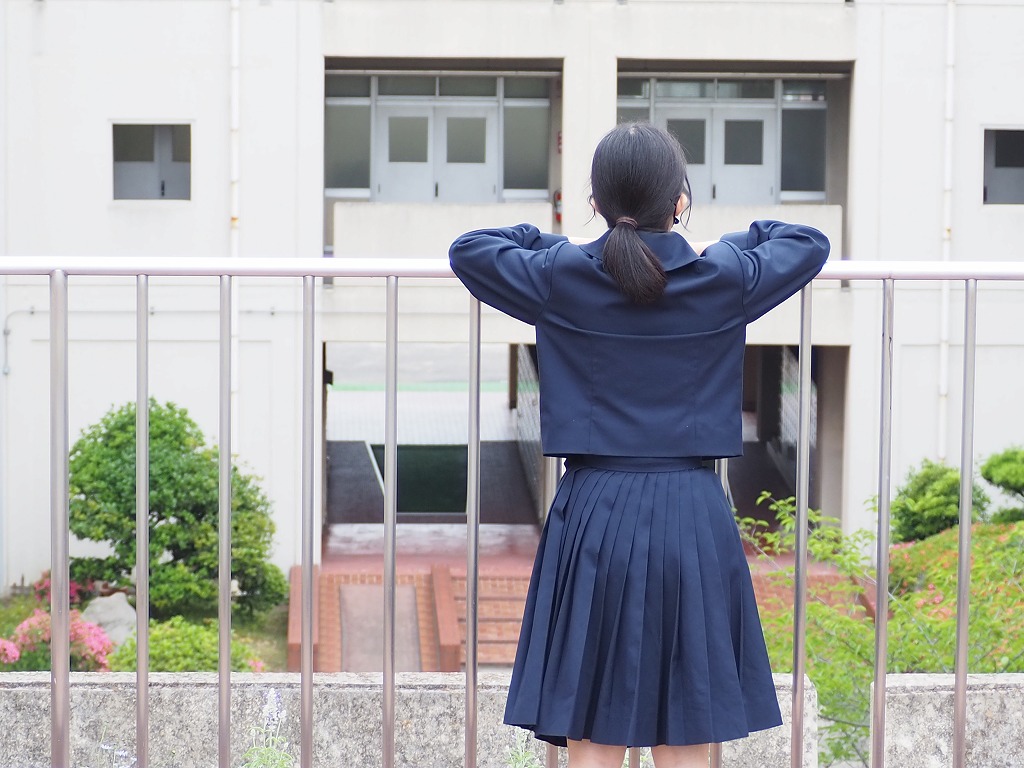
pixel 59 269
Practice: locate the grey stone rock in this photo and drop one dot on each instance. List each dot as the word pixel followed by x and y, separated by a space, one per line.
pixel 429 721
pixel 113 614
pixel 919 720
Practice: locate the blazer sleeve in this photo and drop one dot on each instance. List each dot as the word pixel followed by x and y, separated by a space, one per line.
pixel 776 260
pixel 509 268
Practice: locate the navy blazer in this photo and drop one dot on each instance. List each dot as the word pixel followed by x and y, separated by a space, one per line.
pixel 620 379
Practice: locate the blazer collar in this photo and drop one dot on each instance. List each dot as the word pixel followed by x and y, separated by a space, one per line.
pixel 670 247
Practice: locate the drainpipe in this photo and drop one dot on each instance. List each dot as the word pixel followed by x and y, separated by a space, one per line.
pixel 234 247
pixel 947 232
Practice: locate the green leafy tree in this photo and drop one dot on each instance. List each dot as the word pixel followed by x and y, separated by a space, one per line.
pixel 183 514
pixel 928 502
pixel 1006 471
pixel 922 608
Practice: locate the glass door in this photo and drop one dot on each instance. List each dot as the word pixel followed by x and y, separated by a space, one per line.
pixel 403 150
pixel 744 161
pixel 465 153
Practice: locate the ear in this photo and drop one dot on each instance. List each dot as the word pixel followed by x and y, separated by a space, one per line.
pixel 681 203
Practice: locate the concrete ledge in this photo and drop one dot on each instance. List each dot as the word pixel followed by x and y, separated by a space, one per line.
pixel 919 720
pixel 347 712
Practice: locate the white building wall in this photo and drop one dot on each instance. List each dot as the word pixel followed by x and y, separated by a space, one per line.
pixel 71 69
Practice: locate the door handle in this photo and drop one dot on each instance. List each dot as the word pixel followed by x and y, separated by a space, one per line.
pixel 161 187
pixel 435 189
pixel 714 191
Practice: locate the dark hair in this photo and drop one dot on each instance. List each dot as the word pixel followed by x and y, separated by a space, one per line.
pixel 637 176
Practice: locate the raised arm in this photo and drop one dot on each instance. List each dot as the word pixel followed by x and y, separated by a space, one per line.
pixel 776 260
pixel 508 268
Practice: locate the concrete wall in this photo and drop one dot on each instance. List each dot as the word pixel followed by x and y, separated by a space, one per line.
pixel 919 720
pixel 429 721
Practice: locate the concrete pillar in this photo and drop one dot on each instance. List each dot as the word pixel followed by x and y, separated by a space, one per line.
pixel 588 112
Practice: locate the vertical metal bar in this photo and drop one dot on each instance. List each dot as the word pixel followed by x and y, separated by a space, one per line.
pixel 551 756
pixel 722 469
pixel 882 554
pixel 634 757
pixel 142 520
pixel 224 533
pixel 390 518
pixel 963 578
pixel 306 647
pixel 803 463
pixel 715 756
pixel 472 531
pixel 60 617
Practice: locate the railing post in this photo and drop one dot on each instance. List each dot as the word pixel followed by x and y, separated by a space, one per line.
pixel 224 532
pixel 882 553
pixel 307 554
pixel 800 577
pixel 390 519
pixel 60 617
pixel 963 579
pixel 142 521
pixel 473 532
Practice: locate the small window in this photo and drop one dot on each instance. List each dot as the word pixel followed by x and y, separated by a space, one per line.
pixel 467 139
pixel 691 135
pixel 527 132
pixel 746 89
pixel 468 86
pixel 684 89
pixel 407 139
pixel 1004 167
pixel 348 85
pixel 347 146
pixel 744 142
pixel 635 87
pixel 803 90
pixel 152 162
pixel 803 150
pixel 527 87
pixel 405 85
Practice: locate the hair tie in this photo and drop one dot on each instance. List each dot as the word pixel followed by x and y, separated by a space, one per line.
pixel 627 221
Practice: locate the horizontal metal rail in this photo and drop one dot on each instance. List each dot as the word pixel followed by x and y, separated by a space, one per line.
pixel 59 269
pixel 188 266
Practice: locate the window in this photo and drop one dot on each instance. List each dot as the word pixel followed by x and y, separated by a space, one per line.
pixel 152 162
pixel 443 138
pixel 747 140
pixel 1004 167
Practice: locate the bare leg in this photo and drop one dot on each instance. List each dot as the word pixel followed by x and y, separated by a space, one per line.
pixel 681 757
pixel 586 754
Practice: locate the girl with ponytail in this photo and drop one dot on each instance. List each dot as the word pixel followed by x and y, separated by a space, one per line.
pixel 640 626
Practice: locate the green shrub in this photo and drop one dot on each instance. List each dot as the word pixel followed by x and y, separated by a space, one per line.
pixel 1006 471
pixel 928 502
pixel 183 487
pixel 922 603
pixel 179 645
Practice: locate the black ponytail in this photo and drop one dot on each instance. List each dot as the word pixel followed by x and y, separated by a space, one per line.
pixel 633 265
pixel 637 176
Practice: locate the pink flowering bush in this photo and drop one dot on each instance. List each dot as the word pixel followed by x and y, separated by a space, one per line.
pixel 29 646
pixel 9 652
pixel 77 593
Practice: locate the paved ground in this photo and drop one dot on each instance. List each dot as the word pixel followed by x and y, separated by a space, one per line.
pixel 354 555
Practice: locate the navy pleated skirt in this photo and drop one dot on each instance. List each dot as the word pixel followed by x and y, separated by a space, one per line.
pixel 640 626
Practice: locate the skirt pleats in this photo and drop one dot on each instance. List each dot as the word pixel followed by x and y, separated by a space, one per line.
pixel 640 625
